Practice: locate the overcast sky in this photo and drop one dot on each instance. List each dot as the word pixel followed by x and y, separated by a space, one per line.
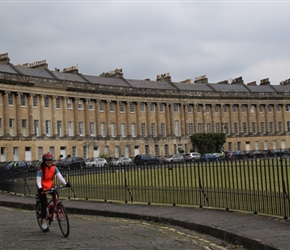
pixel 188 39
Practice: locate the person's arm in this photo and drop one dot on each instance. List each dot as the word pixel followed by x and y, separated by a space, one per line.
pixel 38 179
pixel 59 176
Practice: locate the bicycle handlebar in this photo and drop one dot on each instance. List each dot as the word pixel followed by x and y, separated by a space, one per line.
pixel 55 188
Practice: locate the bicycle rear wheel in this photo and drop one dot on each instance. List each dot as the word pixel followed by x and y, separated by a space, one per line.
pixel 62 219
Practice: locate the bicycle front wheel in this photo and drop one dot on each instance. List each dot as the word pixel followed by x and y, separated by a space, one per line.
pixel 62 219
pixel 38 214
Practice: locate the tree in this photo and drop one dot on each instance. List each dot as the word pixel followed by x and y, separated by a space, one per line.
pixel 209 142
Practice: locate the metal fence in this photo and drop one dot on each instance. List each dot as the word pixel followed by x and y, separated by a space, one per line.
pixel 254 185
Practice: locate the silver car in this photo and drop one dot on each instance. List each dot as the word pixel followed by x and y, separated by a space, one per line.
pixel 174 158
pixel 122 161
pixel 192 156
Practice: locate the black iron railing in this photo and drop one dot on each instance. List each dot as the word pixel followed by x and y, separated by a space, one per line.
pixel 253 185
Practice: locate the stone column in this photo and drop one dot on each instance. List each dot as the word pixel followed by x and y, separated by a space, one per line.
pixel 5 113
pixel 107 125
pixel 42 118
pixel 248 117
pixel 222 118
pixel 30 116
pixel 266 119
pixel 148 119
pixel 18 115
pixel 204 123
pixel 182 120
pixel 128 120
pixel 117 113
pixel 138 125
pixel 231 122
pixel 87 118
pixel 275 124
pixel 240 125
pixel 168 119
pixel 158 132
pixel 65 120
pixel 212 110
pixel 53 120
pixel 257 119
pixel 97 102
pixel 76 117
pixel 284 122
pixel 195 128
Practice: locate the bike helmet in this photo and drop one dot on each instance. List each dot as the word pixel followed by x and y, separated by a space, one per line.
pixel 47 156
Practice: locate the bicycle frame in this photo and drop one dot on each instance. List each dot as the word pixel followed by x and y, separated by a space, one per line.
pixel 51 205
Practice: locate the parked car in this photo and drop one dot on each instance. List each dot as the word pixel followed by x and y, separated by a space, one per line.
pixel 146 160
pixel 192 156
pixel 173 158
pixel 122 161
pixel 209 157
pixel 238 155
pixel 16 166
pixel 257 154
pixel 218 155
pixel 276 153
pixel 96 162
pixel 71 163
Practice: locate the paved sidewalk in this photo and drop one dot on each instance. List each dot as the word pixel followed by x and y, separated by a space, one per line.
pixel 249 230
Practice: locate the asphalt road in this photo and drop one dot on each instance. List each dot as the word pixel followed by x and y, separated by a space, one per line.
pixel 19 230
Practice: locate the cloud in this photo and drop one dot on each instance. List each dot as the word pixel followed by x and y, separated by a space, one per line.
pixel 188 39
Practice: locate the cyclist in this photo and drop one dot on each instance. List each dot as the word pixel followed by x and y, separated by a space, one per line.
pixel 44 181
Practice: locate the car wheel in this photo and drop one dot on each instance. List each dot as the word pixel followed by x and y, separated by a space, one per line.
pixel 105 165
pixel 120 165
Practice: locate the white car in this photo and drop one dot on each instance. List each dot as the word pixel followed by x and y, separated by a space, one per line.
pixel 96 162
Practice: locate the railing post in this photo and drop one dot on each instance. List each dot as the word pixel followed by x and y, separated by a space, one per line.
pixel 285 193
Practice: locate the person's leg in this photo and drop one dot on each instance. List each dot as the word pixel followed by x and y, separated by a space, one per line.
pixel 43 201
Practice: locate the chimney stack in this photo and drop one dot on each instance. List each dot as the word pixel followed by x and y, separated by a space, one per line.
pixel 35 65
pixel 265 81
pixel 252 83
pixel 4 58
pixel 164 78
pixel 117 73
pixel 201 80
pixel 238 80
pixel 72 70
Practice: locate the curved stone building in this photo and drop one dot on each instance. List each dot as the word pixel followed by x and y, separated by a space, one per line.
pixel 66 112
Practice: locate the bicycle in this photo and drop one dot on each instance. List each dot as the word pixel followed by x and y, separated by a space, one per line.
pixel 54 210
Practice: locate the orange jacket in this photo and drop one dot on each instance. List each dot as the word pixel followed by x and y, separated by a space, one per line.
pixel 47 180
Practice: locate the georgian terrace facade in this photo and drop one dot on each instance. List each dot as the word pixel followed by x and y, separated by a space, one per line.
pixel 65 112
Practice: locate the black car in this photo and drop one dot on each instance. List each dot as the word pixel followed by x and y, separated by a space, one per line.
pixel 71 163
pixel 237 155
pixel 257 154
pixel 209 157
pixel 277 153
pixel 146 160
